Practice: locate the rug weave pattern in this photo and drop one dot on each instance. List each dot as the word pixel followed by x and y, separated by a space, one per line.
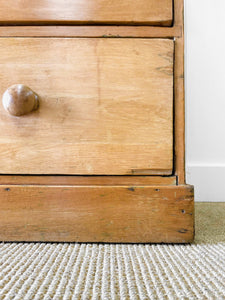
pixel 91 271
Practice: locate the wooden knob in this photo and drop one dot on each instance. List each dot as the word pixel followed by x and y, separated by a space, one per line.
pixel 19 100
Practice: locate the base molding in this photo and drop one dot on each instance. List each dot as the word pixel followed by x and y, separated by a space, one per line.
pixel 128 214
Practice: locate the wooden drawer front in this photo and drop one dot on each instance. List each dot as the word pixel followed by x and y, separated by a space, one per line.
pixel 157 12
pixel 105 106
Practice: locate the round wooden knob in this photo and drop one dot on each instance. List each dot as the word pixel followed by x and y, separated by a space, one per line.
pixel 19 100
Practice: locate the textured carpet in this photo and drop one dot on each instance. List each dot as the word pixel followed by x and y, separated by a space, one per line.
pixel 97 271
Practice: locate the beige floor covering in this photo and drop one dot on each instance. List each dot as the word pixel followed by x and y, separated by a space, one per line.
pixel 97 271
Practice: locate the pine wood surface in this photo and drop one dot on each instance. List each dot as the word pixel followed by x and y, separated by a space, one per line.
pixel 86 180
pixel 91 31
pixel 97 213
pixel 179 96
pixel 86 11
pixel 179 133
pixel 106 106
pixel 96 208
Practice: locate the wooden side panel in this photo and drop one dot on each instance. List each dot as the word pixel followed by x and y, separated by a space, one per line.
pixel 179 94
pixel 179 111
pixel 157 12
pixel 97 213
pixel 106 106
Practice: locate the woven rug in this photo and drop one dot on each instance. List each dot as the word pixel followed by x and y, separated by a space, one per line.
pixel 115 271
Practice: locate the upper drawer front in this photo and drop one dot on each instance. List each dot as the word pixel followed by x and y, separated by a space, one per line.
pixel 105 106
pixel 156 12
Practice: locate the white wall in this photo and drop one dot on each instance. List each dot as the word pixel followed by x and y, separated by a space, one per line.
pixel 205 97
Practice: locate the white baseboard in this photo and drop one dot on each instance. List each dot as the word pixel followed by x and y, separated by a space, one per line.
pixel 208 181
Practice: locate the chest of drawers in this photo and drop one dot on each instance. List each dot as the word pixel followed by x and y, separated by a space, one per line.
pixel 92 122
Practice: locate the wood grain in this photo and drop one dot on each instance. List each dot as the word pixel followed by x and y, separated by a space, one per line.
pixel 91 31
pixel 105 106
pixel 179 96
pixel 179 111
pixel 179 13
pixel 86 12
pixel 131 214
pixel 87 180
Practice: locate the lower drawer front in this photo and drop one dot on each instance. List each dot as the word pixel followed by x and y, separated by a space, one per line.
pixel 105 106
